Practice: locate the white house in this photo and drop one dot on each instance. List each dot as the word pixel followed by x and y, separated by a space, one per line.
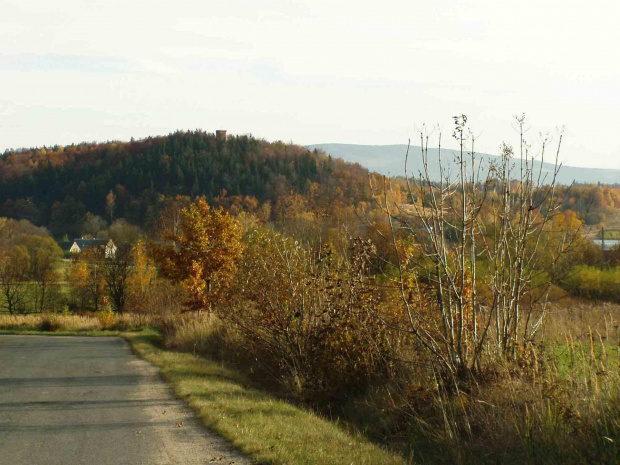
pixel 110 249
pixel 80 245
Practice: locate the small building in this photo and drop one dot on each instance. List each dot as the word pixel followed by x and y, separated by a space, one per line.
pixel 79 245
pixel 110 249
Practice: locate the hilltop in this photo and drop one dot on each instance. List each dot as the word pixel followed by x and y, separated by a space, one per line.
pixel 56 186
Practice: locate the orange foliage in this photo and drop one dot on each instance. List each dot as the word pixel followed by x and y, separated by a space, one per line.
pixel 203 255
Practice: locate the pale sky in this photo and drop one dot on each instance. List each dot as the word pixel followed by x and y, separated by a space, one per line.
pixel 311 72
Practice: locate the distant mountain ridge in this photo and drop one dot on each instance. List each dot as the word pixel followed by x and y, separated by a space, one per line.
pixel 390 160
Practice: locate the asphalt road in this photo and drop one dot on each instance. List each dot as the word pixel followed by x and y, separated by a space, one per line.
pixel 83 400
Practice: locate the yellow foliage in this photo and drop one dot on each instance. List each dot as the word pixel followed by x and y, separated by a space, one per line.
pixel 203 254
pixel 106 319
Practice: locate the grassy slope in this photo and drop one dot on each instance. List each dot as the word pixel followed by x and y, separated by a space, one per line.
pixel 267 429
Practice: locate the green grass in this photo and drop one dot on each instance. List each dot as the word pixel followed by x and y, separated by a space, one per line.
pixel 579 358
pixel 267 429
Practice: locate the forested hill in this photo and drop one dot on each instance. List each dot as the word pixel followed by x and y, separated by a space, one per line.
pixel 56 186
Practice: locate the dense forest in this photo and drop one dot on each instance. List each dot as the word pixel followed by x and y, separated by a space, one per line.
pixel 57 186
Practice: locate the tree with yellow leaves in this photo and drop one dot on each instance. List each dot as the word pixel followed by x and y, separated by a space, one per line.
pixel 79 280
pixel 203 254
pixel 140 282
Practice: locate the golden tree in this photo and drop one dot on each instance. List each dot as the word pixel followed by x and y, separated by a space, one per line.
pixel 203 253
pixel 79 281
pixel 141 281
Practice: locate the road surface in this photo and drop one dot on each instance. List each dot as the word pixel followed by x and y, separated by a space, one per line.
pixel 84 400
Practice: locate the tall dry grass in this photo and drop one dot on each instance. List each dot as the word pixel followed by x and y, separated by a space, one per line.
pixel 53 322
pixel 207 335
pixel 577 317
pixel 559 402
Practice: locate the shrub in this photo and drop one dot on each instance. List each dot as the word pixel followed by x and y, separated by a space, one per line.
pixel 594 283
pixel 106 319
pixel 308 316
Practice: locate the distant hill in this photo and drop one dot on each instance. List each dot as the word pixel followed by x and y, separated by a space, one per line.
pixel 390 160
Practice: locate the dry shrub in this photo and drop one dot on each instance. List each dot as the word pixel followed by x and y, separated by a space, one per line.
pixel 308 317
pixel 106 319
pixel 56 322
pixel 557 403
pixel 162 299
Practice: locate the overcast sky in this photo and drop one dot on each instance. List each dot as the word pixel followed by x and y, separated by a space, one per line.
pixel 311 72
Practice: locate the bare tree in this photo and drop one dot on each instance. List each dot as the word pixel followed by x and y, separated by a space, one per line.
pixel 478 234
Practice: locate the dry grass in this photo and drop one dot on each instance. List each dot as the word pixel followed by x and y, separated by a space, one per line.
pixel 195 333
pixel 577 318
pixel 558 403
pixel 52 322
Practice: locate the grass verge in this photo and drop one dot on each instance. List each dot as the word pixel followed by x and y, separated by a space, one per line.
pixel 267 429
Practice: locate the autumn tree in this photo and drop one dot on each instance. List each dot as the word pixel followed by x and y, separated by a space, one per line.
pixel 79 280
pixel 44 254
pixel 110 204
pixel 86 279
pixel 94 224
pixel 203 254
pixel 123 232
pixel 117 271
pixel 13 278
pixel 168 218
pixel 141 280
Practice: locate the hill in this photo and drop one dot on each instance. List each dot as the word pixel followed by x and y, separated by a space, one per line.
pixel 390 160
pixel 56 186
